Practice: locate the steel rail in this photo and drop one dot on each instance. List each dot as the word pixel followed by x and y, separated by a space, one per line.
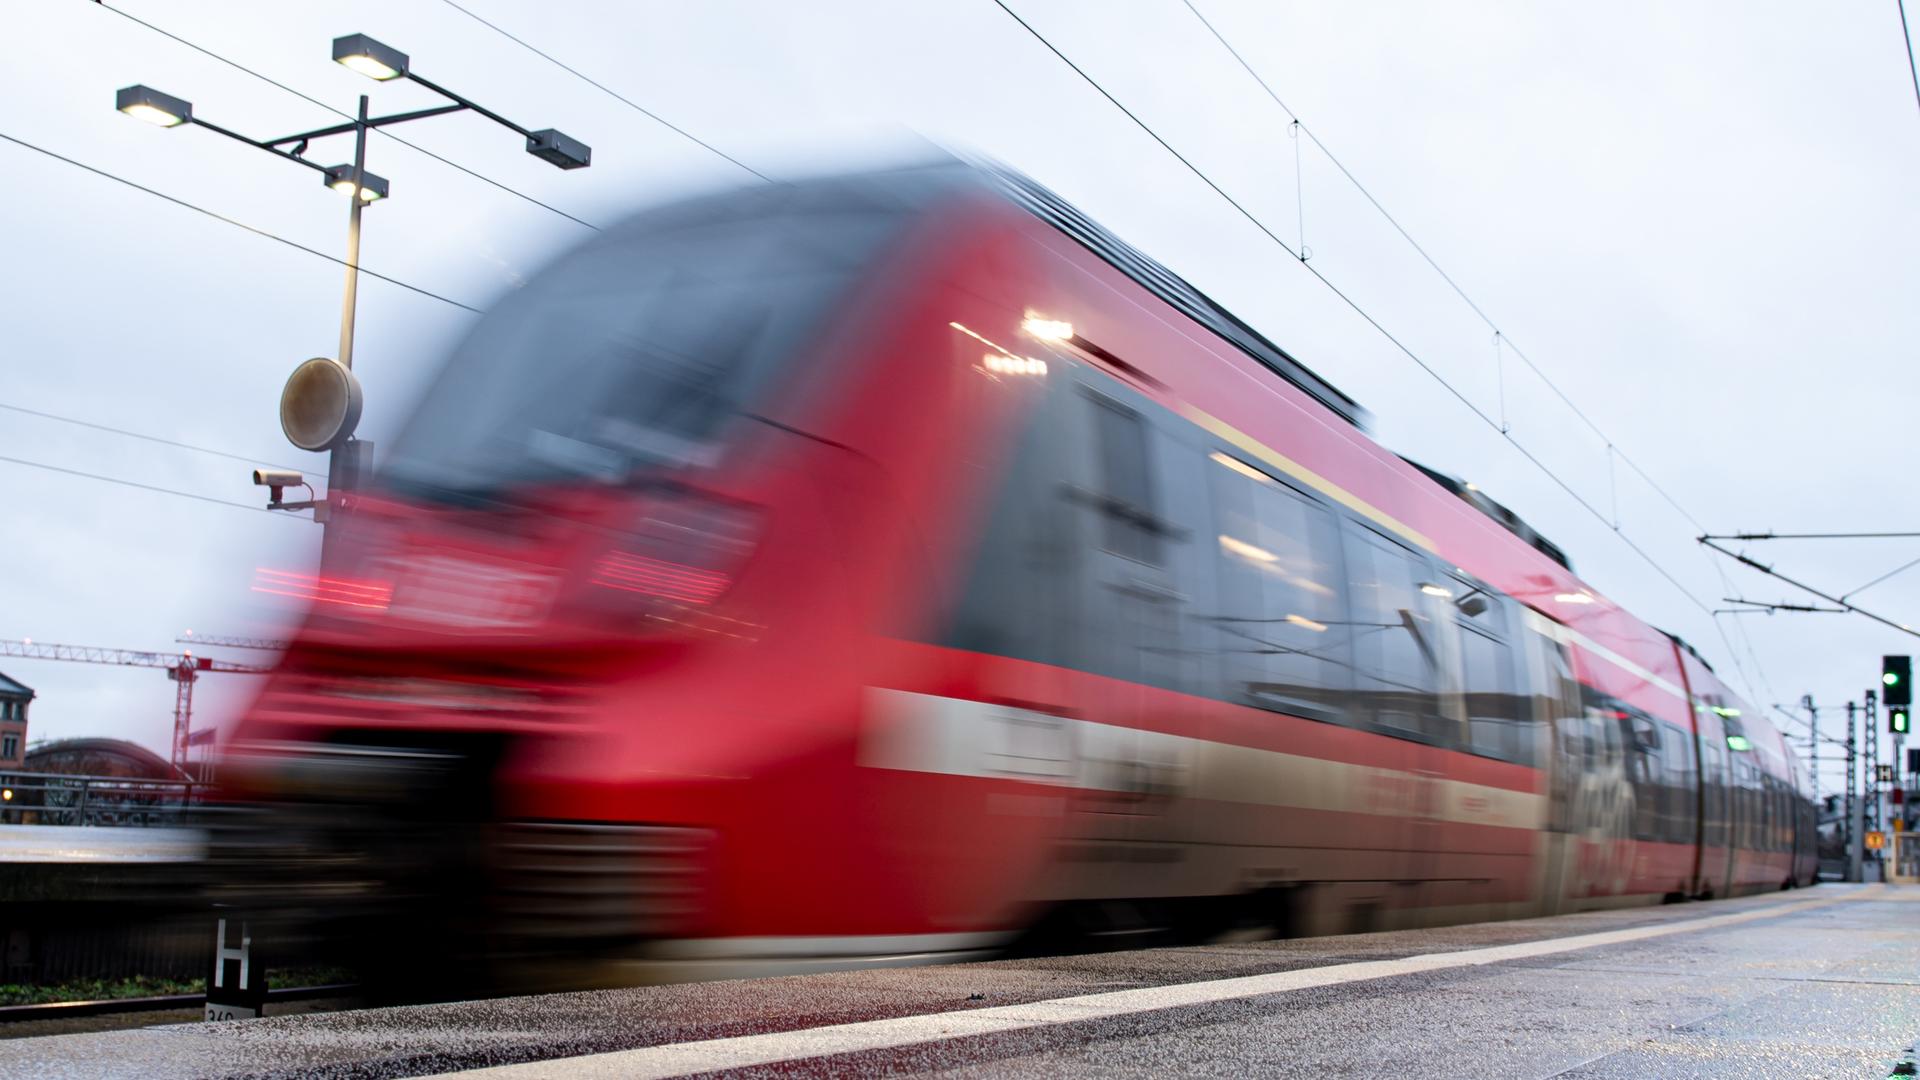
pixel 58 1010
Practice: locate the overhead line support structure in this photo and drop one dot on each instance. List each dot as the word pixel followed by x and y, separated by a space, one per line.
pixel 1745 560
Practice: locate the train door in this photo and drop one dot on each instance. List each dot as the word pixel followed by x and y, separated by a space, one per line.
pixel 1589 793
pixel 1396 668
pixel 1716 805
pixel 1442 857
pixel 1275 627
pixel 1565 762
pixel 1137 755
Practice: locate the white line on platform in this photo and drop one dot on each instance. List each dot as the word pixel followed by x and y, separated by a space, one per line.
pixel 740 1051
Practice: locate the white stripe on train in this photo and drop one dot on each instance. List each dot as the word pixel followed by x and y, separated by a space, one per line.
pixel 958 737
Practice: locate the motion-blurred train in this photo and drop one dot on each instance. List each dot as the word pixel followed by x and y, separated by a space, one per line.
pixel 895 565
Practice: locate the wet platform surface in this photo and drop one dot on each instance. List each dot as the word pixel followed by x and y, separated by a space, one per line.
pixel 1816 983
pixel 98 844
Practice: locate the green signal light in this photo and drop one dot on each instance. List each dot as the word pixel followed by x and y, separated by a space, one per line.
pixel 1900 721
pixel 1891 678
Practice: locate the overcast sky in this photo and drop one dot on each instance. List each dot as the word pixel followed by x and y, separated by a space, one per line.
pixel 1697 219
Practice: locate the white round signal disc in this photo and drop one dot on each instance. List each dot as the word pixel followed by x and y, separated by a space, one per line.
pixel 321 404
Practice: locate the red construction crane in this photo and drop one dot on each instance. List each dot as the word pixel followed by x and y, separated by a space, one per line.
pixel 182 668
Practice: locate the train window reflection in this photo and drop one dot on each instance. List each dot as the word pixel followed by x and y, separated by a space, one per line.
pixel 1121 440
pixel 1394 663
pixel 634 349
pixel 1493 709
pixel 1281 633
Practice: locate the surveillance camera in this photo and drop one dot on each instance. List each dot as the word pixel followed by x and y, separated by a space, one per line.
pixel 277 478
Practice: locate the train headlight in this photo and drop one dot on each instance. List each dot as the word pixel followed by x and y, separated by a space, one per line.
pixel 1047 329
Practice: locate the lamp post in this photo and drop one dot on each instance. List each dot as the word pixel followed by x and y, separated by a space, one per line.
pixel 321 402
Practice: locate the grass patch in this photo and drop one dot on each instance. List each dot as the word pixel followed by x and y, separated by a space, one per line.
pixel 149 986
pixel 95 990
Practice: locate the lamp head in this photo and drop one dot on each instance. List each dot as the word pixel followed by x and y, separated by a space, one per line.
pixel 559 150
pixel 368 57
pixel 340 179
pixel 146 103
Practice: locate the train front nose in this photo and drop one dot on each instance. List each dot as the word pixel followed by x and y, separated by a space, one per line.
pixel 402 859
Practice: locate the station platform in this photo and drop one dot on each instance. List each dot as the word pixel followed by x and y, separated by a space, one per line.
pixel 98 844
pixel 1823 982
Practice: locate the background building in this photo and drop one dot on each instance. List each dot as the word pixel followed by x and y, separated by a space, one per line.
pixel 14 697
pixel 116 758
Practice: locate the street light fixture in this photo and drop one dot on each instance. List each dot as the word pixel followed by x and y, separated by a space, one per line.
pixel 146 103
pixel 555 148
pixel 350 457
pixel 368 57
pixel 340 179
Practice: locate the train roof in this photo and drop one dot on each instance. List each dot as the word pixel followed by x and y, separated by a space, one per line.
pixel 1175 290
pixel 1181 295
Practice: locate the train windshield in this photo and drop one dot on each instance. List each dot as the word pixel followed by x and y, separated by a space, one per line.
pixel 632 351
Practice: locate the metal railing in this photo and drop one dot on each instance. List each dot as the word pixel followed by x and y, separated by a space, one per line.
pixel 68 799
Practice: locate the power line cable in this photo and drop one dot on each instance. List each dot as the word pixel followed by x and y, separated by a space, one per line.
pixel 609 91
pixel 337 112
pixel 138 435
pixel 1906 38
pixel 230 221
pixel 1898 569
pixel 146 487
pixel 1357 309
pixel 1434 264
pixel 1431 262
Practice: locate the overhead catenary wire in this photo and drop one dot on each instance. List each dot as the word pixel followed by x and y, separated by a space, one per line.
pixel 1906 38
pixel 1908 565
pixel 137 435
pixel 1500 337
pixel 237 66
pixel 607 90
pixel 254 229
pixel 1490 421
pixel 124 482
pixel 1804 587
pixel 1426 256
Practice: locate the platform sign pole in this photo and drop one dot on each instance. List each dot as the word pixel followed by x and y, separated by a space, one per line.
pixel 1870 774
pixel 1855 839
pixel 1898 812
pixel 237 986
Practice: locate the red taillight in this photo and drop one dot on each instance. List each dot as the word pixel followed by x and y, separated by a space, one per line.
pixel 368 594
pixel 654 577
pixel 686 550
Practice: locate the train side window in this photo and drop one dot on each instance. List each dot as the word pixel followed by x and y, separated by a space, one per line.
pixel 1126 485
pixel 1018 595
pixel 1396 665
pixel 1495 710
pixel 1280 622
pixel 1493 728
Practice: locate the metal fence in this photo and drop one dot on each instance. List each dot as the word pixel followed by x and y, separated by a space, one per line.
pixel 66 799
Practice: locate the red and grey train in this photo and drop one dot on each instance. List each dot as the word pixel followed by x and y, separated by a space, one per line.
pixel 879 566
